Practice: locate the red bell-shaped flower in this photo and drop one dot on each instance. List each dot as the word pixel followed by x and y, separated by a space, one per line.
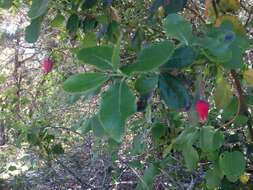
pixel 202 108
pixel 47 65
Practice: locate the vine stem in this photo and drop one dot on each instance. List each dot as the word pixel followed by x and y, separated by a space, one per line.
pixel 243 107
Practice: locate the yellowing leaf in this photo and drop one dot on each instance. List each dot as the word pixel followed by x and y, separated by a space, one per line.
pixel 248 76
pixel 229 5
pixel 237 25
pixel 244 178
pixel 223 94
pixel 209 10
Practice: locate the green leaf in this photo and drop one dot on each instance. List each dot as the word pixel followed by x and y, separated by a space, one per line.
pixel 171 6
pixel 58 20
pixel 189 136
pixel 72 23
pixel 149 175
pixel 84 82
pixel 206 138
pixel 213 178
pixel 3 78
pixel 233 165
pixel 174 6
pixel 89 24
pixel 210 139
pixel 146 84
pixel 96 126
pixel 248 76
pixel 32 31
pixel 218 140
pixel 99 56
pixel 191 157
pixel 57 149
pixel 177 27
pixel 151 57
pixel 118 103
pixel 137 39
pixel 138 145
pixel 183 57
pixel 38 8
pixel 116 54
pixel 158 130
pixel 12 168
pixel 223 94
pixel 173 92
pixel 6 4
pixel 88 4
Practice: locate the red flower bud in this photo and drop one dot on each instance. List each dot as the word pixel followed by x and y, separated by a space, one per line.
pixel 47 65
pixel 202 109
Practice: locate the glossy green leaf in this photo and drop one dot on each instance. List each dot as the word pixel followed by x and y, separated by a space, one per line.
pixel 182 57
pixel 32 31
pixel 151 57
pixel 38 8
pixel 223 93
pixel 118 103
pixel 148 178
pixel 84 82
pixel 99 56
pixel 191 157
pixel 72 23
pixel 146 84
pixel 177 27
pixel 173 92
pixel 233 165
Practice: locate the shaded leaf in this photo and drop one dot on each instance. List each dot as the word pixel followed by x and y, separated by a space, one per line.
pixel 72 23
pixel 146 84
pixel 99 56
pixel 173 92
pixel 182 57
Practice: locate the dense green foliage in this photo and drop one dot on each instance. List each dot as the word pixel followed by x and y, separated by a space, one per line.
pixel 151 66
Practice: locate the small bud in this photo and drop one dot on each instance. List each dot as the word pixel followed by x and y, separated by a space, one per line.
pixel 47 65
pixel 202 108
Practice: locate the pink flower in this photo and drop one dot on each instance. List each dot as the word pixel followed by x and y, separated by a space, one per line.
pixel 47 65
pixel 202 108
